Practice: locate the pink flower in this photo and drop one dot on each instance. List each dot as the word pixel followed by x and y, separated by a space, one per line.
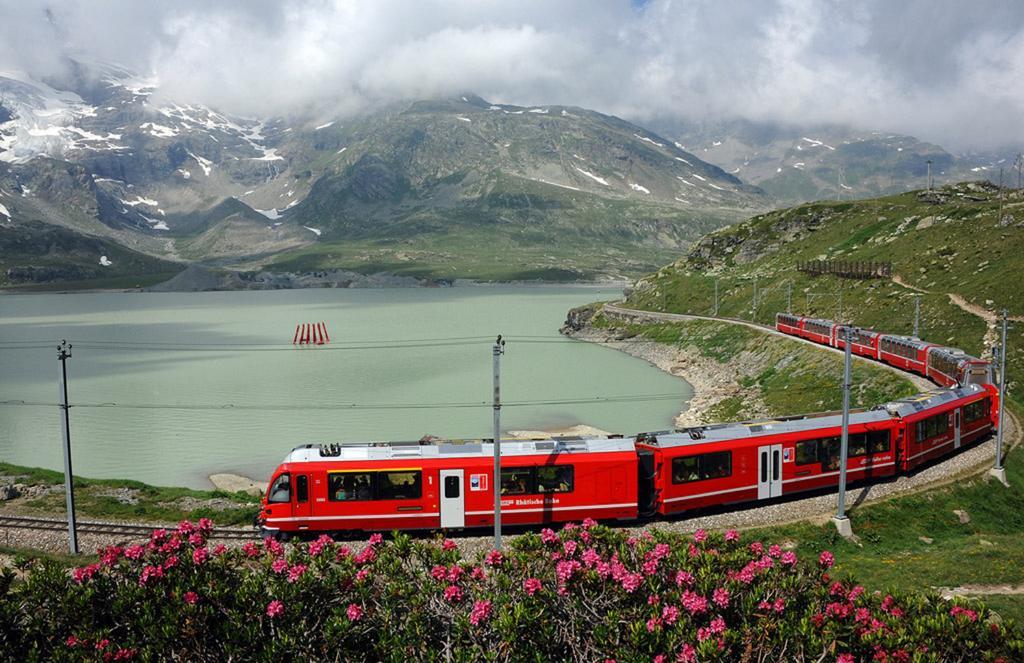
pixel 354 612
pixel 376 539
pixel 150 572
pixel 455 572
pixel 196 539
pixel 448 544
pixel 72 641
pixel 774 551
pixel 531 586
pixel 452 594
pixel 110 555
pixel 191 598
pixel 317 547
pixel 200 555
pixel 477 573
pixel 185 528
pixel 494 558
pixel 124 654
pixel 721 597
pixel 481 611
pixel 590 557
pixel 569 547
pixel 684 578
pixel 700 536
pixel 568 527
pixel 779 606
pixel 342 553
pixel 693 603
pixel 171 562
pixel 279 565
pixel 845 658
pixel 273 546
pixel 102 644
pixel 788 558
pixel 251 550
pixel 589 523
pixel 687 654
pixel 439 572
pixel 84 573
pixel 653 624
pixel 158 535
pixel 368 554
pixel 959 611
pixel 631 581
pixel 717 625
pixel 274 608
pixel 219 550
pixel 205 525
pixel 757 548
pixel 565 569
pixel 669 614
pixel 731 535
pixel 826 559
pixel 362 575
pixel 296 572
pixel 134 552
pixel 547 535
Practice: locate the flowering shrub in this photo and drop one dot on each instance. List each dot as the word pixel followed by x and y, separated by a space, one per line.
pixel 584 593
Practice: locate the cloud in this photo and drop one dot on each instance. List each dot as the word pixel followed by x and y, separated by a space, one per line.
pixel 946 71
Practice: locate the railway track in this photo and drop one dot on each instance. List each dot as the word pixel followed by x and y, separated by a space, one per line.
pixel 108 528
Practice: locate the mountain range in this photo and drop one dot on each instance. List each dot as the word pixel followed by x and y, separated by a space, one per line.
pixel 105 182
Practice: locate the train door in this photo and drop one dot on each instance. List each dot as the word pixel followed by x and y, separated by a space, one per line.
pixel 301 509
pixel 956 428
pixel 453 505
pixel 769 471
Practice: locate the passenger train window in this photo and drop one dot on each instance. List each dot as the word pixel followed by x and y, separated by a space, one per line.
pixel 516 481
pixel 555 479
pixel 976 410
pixel 932 427
pixel 399 485
pixel 451 487
pixel 281 491
pixel 705 466
pixel 806 452
pixel 301 488
pixel 349 486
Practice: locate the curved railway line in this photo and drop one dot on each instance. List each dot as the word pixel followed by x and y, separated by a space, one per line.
pixel 110 528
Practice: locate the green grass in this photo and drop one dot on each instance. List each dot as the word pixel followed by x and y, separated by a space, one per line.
pixel 155 503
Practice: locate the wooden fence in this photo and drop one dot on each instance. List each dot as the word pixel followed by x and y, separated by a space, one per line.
pixel 847 269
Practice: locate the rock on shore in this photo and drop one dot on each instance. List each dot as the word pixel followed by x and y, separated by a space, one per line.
pixel 234 483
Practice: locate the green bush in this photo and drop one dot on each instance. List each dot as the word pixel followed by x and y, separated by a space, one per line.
pixel 586 593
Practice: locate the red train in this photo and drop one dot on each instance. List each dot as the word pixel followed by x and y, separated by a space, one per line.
pixel 449 484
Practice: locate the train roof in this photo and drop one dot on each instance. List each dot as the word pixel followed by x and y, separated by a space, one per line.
pixel 751 429
pixel 905 407
pixel 909 340
pixel 312 453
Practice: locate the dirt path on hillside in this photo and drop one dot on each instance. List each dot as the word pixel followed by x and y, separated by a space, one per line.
pixel 979 590
pixel 898 280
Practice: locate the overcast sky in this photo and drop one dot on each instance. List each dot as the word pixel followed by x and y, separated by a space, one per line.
pixel 947 71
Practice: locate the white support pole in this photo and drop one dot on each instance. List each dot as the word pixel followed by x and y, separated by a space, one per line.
pixel 63 354
pixel 499 348
pixel 998 471
pixel 842 522
pixel 716 298
pixel 917 316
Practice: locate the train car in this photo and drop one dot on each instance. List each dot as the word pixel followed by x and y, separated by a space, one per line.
pixel 952 366
pixel 819 331
pixel 863 342
pixel 938 423
pixel 384 486
pixel 788 323
pixel 750 461
pixel 906 352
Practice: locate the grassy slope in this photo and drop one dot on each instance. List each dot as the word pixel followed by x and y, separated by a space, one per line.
pixel 963 251
pixel 156 503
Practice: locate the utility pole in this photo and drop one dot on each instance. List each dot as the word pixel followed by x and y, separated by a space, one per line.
pixel 917 316
pixel 1019 163
pixel 789 297
pixel 999 472
pixel 999 218
pixel 63 354
pixel 929 175
pixel 716 298
pixel 840 301
pixel 842 522
pixel 497 351
pixel 753 313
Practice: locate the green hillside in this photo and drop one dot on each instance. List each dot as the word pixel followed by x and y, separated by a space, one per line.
pixel 942 245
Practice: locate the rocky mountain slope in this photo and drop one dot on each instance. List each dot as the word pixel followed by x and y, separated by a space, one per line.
pixel 452 187
pixel 801 164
